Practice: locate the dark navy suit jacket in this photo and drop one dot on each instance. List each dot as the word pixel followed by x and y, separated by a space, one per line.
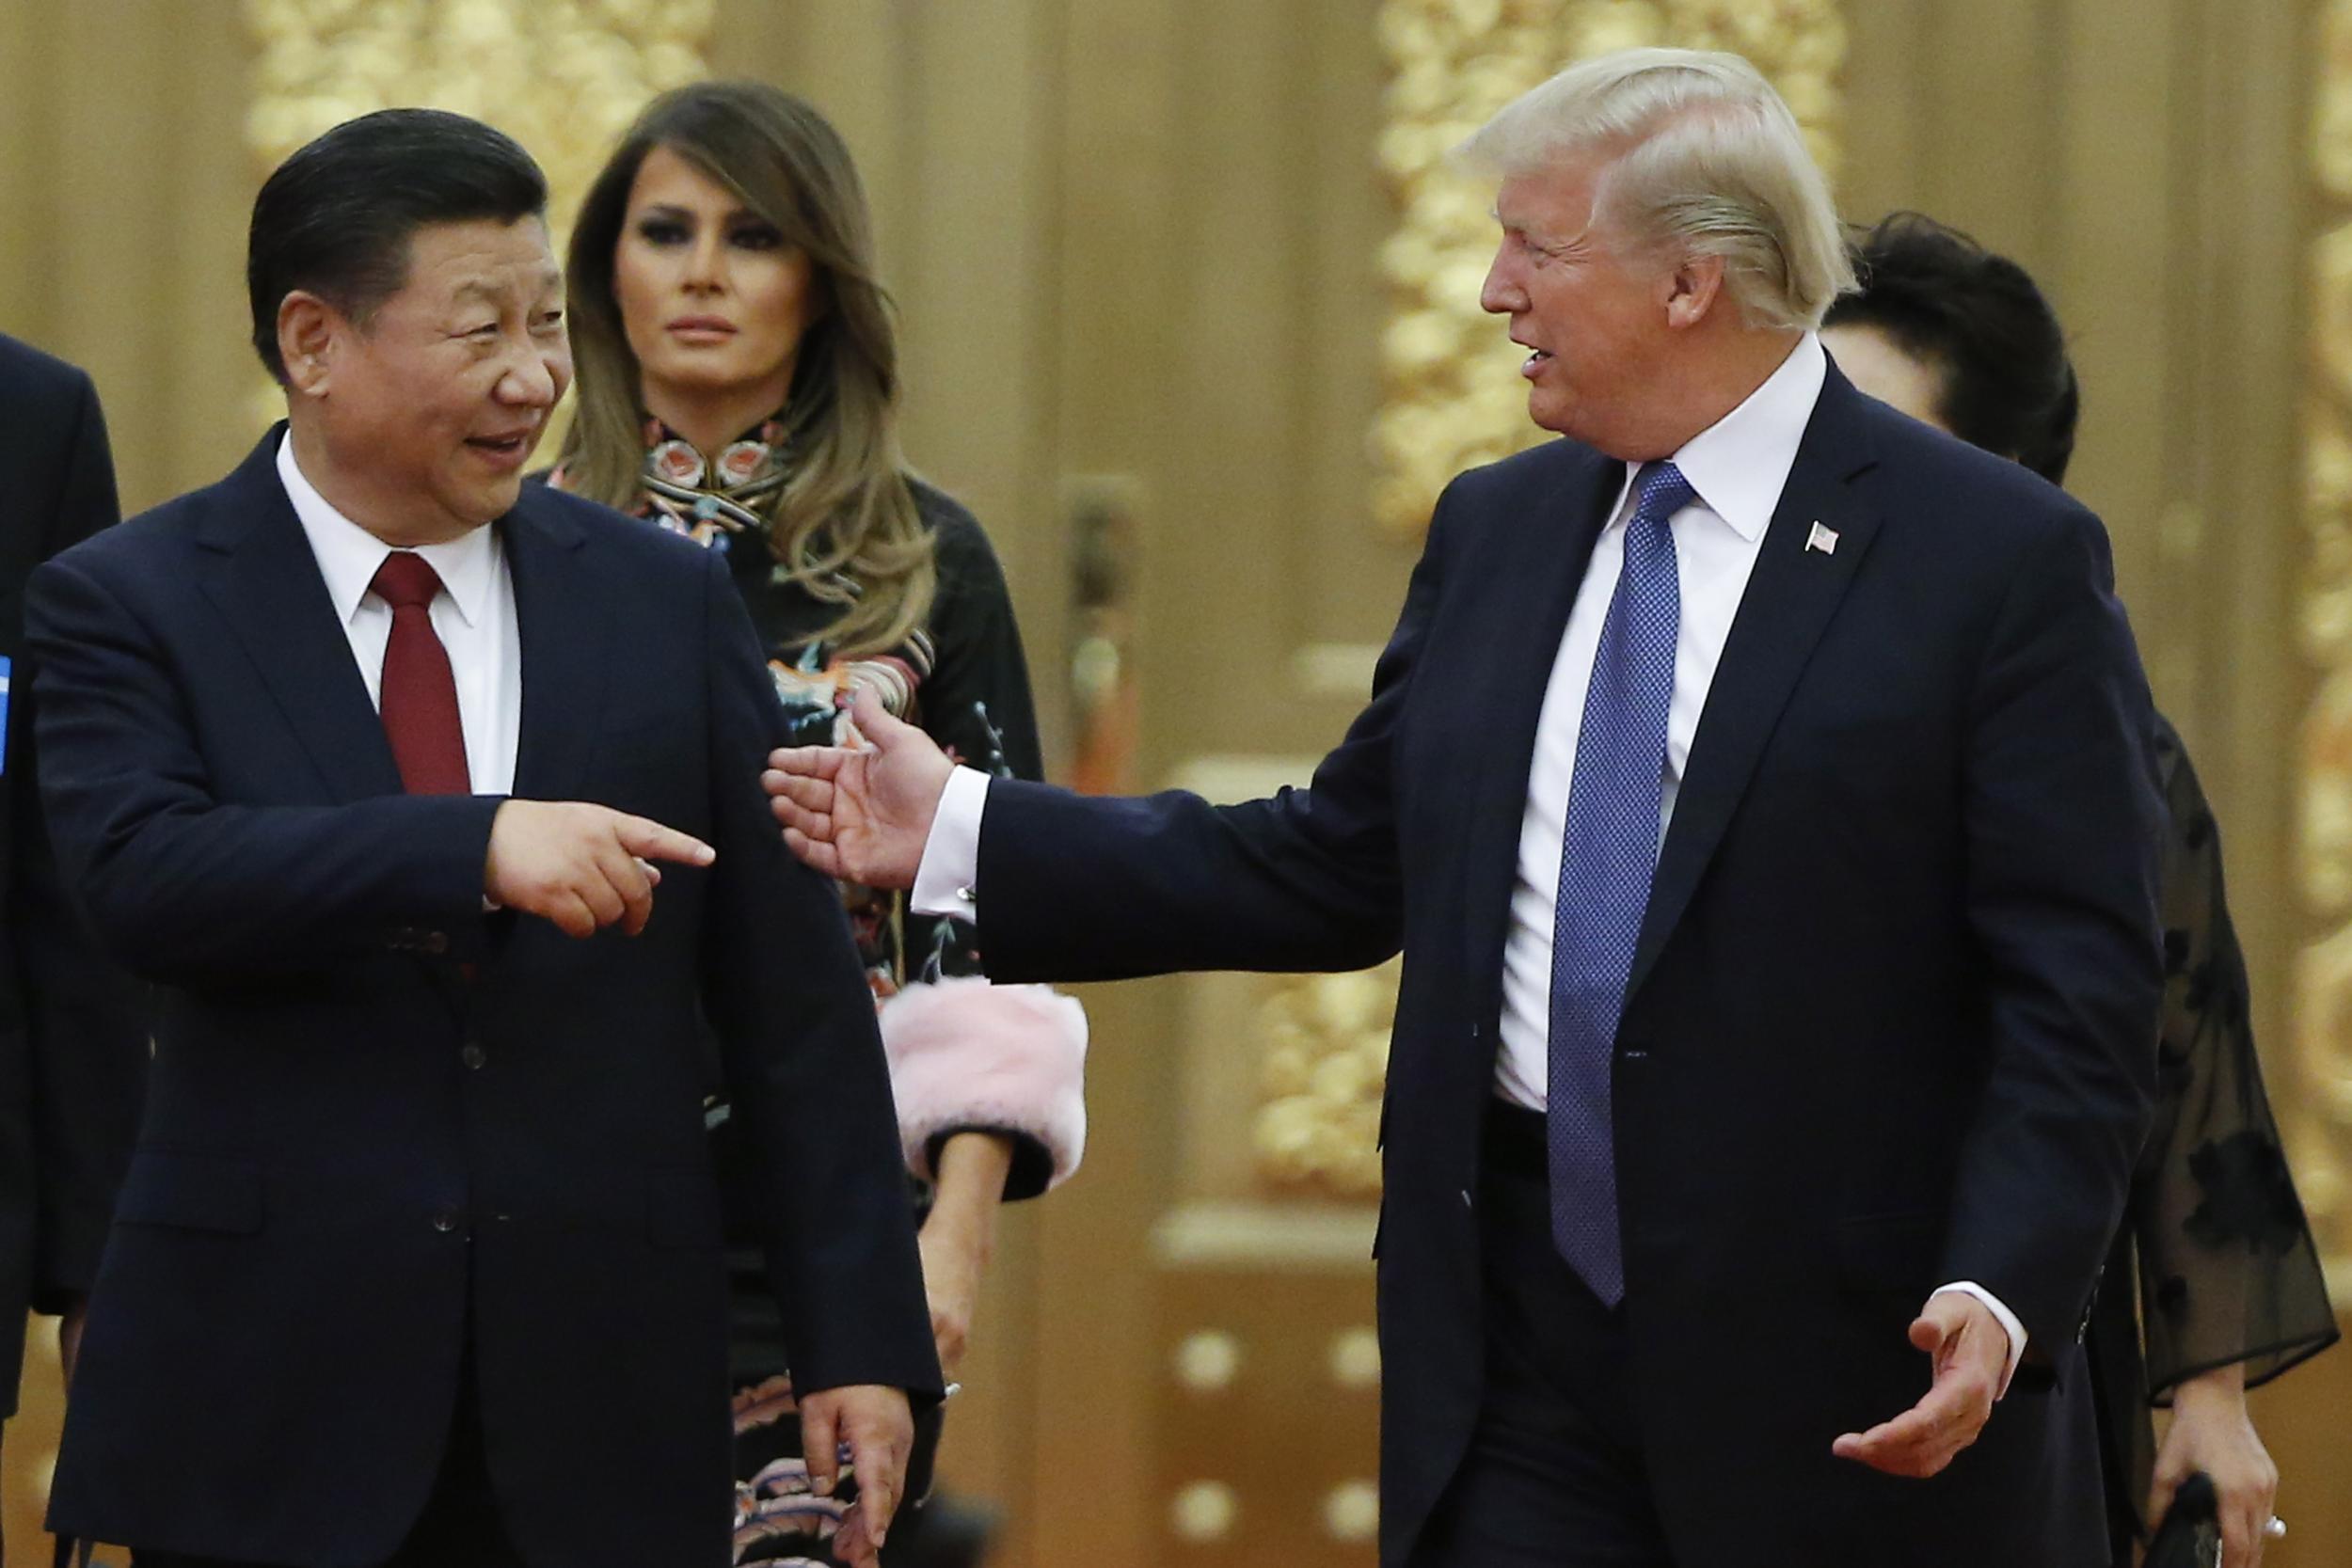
pixel 1892 1019
pixel 72 1029
pixel 384 1128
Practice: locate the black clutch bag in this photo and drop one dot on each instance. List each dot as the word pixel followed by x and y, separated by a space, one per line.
pixel 2189 1535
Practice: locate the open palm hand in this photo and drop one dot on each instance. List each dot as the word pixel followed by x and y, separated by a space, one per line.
pixel 861 813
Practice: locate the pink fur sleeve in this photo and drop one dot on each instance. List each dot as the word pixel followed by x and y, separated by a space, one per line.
pixel 967 1053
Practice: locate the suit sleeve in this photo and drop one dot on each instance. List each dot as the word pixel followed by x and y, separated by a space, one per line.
pixel 86 1024
pixel 2062 823
pixel 803 1059
pixel 1080 888
pixel 180 887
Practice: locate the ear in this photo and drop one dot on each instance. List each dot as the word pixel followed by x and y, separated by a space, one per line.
pixel 311 333
pixel 1692 289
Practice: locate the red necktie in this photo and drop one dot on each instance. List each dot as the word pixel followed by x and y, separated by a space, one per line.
pixel 419 698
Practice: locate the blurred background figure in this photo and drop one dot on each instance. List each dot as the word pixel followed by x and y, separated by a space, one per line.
pixel 72 1027
pixel 739 384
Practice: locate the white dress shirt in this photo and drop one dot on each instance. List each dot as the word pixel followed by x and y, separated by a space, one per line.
pixel 473 615
pixel 1737 468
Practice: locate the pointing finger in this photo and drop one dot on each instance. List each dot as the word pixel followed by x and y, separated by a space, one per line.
pixel 650 840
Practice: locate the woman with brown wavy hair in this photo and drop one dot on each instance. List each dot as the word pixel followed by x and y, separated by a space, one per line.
pixel 738 384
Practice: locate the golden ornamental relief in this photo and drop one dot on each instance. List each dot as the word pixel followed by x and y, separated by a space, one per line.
pixel 561 76
pixel 1452 397
pixel 2316 1095
pixel 1325 1068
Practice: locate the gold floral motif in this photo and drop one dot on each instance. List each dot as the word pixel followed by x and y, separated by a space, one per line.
pixel 561 76
pixel 1452 396
pixel 1325 1065
pixel 2316 1098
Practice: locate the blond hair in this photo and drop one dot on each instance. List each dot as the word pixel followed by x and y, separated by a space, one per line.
pixel 1704 160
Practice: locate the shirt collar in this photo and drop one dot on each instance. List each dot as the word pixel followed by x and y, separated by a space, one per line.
pixel 1739 465
pixel 349 556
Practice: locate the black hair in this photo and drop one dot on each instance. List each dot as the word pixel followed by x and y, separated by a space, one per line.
pixel 1981 322
pixel 335 219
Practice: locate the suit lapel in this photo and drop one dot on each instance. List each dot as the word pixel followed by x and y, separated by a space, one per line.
pixel 1794 592
pixel 565 628
pixel 1538 570
pixel 265 582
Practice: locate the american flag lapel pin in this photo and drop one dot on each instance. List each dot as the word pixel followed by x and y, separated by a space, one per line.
pixel 1822 539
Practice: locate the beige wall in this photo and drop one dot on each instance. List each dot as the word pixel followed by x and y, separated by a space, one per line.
pixel 125 181
pixel 1136 238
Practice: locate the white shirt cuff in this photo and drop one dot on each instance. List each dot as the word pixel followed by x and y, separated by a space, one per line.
pixel 951 856
pixel 2007 1319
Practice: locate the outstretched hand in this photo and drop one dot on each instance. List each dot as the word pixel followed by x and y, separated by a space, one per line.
pixel 1970 1353
pixel 862 815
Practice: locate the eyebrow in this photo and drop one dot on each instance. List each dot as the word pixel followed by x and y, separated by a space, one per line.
pixel 491 293
pixel 672 210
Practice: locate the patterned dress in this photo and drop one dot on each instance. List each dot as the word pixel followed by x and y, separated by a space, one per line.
pixel 2215 1264
pixel 962 676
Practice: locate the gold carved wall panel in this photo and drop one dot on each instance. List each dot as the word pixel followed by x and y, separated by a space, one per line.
pixel 561 76
pixel 1326 1061
pixel 1450 397
pixel 2316 1093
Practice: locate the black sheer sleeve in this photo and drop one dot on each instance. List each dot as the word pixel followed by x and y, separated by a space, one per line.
pixel 2229 1271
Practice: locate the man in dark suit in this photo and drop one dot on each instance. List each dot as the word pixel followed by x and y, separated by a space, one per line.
pixel 1773 859
pixel 374 767
pixel 72 1030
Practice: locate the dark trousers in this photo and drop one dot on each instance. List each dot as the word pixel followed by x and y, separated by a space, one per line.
pixel 459 1526
pixel 1555 1476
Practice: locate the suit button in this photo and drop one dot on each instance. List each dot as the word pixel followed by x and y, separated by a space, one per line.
pixel 445 1220
pixel 473 1055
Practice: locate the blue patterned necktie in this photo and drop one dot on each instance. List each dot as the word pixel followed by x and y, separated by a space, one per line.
pixel 1607 856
